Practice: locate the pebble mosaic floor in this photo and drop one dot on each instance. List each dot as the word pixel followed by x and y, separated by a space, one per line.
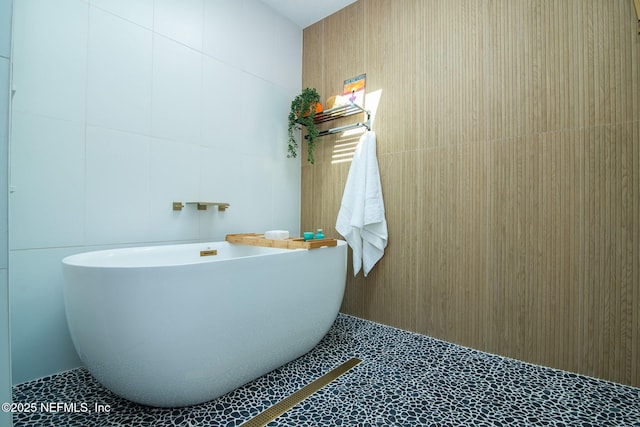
pixel 405 379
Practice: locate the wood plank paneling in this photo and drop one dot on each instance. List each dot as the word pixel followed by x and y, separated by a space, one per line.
pixel 509 153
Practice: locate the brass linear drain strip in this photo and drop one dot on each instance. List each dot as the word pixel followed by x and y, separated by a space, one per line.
pixel 273 412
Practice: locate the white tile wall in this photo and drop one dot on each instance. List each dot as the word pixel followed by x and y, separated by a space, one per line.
pixel 4 134
pixel 40 341
pixel 124 107
pixel 222 122
pixel 253 34
pixel 260 55
pixel 177 91
pixel 180 20
pixel 50 58
pixel 117 187
pixel 139 12
pixel 5 354
pixel 174 175
pixel 255 97
pixel 47 177
pixel 5 33
pixel 219 30
pixel 119 70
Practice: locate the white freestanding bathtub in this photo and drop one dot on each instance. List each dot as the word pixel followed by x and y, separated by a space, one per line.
pixel 164 326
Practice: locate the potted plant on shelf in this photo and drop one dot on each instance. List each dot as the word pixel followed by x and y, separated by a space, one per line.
pixel 303 109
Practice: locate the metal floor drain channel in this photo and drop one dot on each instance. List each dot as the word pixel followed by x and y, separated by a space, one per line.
pixel 273 412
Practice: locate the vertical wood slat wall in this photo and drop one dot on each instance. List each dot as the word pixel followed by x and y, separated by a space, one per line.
pixel 509 152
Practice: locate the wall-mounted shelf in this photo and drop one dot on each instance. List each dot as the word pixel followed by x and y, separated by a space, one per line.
pixel 202 206
pixel 340 112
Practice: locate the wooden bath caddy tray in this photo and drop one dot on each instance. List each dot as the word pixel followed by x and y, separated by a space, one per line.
pixel 254 239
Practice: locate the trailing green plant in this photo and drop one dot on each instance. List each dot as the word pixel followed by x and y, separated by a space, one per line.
pixel 303 110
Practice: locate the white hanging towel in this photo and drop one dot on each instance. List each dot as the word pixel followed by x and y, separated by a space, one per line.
pixel 361 217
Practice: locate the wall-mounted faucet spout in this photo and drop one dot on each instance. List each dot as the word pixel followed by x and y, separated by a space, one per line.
pixel 202 206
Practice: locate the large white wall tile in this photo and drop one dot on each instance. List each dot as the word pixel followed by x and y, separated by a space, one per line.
pixel 47 175
pixel 272 49
pixel 220 99
pixel 5 336
pixel 174 171
pixel 117 187
pixel 49 60
pixel 223 21
pixel 245 117
pixel 119 73
pixel 284 66
pixel 284 172
pixel 219 120
pixel 254 110
pixel 277 126
pixel 219 179
pixel 180 20
pixel 177 91
pixel 5 22
pixel 285 196
pixel 235 183
pixel 4 161
pixel 241 128
pixel 269 46
pixel 5 353
pixel 40 339
pixel 138 11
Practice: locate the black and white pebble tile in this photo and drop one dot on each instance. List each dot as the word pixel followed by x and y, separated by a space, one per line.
pixel 405 379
